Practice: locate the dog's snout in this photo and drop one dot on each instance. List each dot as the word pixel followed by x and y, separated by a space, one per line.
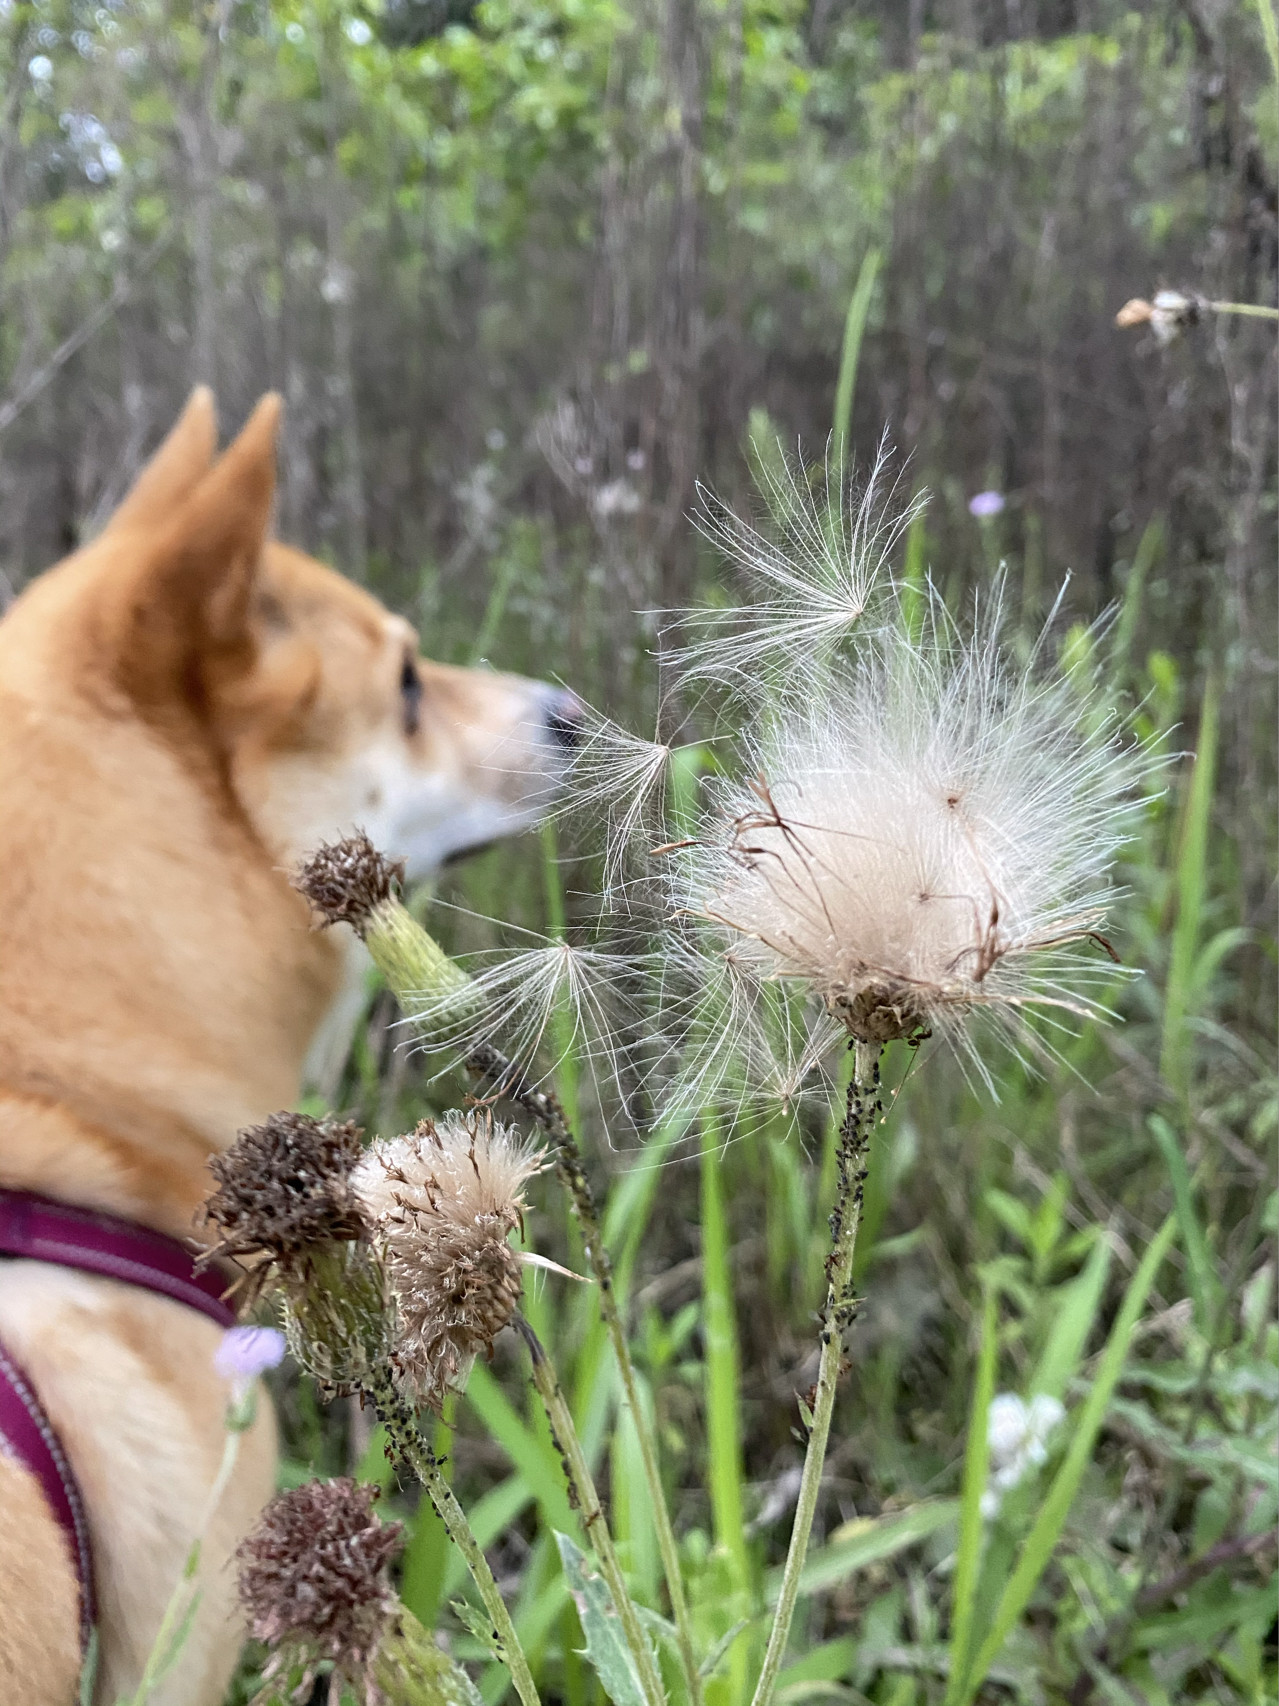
pixel 564 716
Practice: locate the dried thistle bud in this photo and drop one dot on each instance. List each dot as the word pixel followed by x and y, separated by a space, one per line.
pixel 314 1583
pixel 347 881
pixel 1168 315
pixel 284 1194
pixel 1135 312
pixel 444 1202
pixel 351 882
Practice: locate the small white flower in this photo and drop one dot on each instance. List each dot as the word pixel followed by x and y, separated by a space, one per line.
pixel 1017 1434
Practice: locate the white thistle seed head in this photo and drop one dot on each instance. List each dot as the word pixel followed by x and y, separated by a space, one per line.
pixel 443 1203
pixel 929 837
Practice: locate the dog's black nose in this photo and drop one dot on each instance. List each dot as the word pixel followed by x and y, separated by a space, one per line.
pixel 564 716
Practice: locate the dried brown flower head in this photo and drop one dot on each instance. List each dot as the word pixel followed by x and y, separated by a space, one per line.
pixel 444 1202
pixel 1171 312
pixel 346 881
pixel 313 1581
pixel 284 1191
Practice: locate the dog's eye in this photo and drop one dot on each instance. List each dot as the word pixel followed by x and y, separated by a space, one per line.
pixel 411 694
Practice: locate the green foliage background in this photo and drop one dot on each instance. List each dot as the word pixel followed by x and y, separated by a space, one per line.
pixel 524 272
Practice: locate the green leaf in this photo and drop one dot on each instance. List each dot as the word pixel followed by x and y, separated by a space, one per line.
pixel 710 1664
pixel 1072 1324
pixel 1014 1215
pixel 531 1454
pixel 473 1617
pixel 1042 1539
pixel 606 1648
pixel 1192 881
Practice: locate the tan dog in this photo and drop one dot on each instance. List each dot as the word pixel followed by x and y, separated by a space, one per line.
pixel 185 708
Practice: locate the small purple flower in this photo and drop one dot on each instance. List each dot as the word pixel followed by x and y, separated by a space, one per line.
pixel 986 504
pixel 246 1352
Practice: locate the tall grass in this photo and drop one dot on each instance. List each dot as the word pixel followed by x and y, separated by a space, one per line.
pixel 1043 1244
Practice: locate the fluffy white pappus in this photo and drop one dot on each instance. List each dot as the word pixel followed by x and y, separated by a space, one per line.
pixel 928 839
pixel 537 1004
pixel 728 1038
pixel 812 579
pixel 624 780
pixel 443 1203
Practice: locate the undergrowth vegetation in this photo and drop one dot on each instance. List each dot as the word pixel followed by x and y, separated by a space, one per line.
pixel 1052 1466
pixel 525 271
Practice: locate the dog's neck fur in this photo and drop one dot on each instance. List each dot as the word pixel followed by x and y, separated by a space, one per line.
pixel 160 982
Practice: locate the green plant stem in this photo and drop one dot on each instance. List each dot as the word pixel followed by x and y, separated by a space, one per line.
pixel 172 1631
pixel 583 1492
pixel 407 1441
pixel 505 1078
pixel 863 1107
pixel 1257 310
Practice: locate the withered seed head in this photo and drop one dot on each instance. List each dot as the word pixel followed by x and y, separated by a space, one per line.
pixel 284 1191
pixel 313 1580
pixel 882 1012
pixel 346 881
pixel 444 1203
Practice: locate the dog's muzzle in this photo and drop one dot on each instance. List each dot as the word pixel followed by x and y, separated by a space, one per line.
pixel 564 715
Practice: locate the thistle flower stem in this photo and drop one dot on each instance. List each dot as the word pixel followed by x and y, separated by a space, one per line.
pixel 403 1434
pixel 863 1107
pixel 493 1069
pixel 1257 309
pixel 584 1495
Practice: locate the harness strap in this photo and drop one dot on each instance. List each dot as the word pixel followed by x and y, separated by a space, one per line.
pixel 42 1230
pixel 27 1435
pixel 36 1228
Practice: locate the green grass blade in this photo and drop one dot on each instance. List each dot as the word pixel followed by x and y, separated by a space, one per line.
pixel 1046 1532
pixel 1068 1336
pixel 490 1517
pixel 1270 30
pixel 496 608
pixel 1191 883
pixel 427 1555
pixel 854 327
pixel 632 1509
pixel 1205 1287
pixel 1148 548
pixel 914 574
pixel 723 1410
pixel 868 1541
pixel 531 1454
pixel 971 1525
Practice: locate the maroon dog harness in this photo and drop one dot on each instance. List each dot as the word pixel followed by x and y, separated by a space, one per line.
pixel 39 1230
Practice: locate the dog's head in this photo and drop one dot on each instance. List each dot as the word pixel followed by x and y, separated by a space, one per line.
pixel 186 709
pixel 319 711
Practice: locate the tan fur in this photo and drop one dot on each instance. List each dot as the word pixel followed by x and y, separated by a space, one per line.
pixel 185 708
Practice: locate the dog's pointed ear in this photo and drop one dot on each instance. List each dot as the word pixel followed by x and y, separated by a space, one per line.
pixel 183 620
pixel 175 470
